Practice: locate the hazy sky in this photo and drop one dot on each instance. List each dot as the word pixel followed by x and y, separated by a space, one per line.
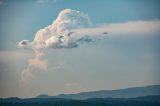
pixel 127 56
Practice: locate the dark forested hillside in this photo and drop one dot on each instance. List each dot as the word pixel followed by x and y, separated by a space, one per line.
pixel 139 101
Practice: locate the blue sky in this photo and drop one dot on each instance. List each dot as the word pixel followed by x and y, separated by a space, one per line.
pixel 112 63
pixel 19 14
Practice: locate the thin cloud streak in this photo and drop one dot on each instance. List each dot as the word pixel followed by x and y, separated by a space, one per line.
pixel 122 28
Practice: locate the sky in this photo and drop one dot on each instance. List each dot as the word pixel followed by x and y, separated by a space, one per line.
pixel 127 56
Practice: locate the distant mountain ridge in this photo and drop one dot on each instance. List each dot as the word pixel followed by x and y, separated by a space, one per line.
pixel 120 93
pixel 138 101
pixel 136 96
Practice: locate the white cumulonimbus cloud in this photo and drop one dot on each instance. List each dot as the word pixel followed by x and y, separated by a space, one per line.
pixel 57 35
pixel 70 29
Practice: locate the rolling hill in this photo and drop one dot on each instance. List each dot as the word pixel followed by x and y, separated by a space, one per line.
pixel 120 93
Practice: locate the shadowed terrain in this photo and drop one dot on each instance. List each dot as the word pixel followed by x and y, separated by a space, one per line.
pixel 136 96
pixel 139 101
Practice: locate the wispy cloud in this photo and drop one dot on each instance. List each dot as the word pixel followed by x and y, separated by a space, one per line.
pixel 13 55
pixel 73 87
pixel 46 1
pixel 71 84
pixel 35 62
pixel 127 28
